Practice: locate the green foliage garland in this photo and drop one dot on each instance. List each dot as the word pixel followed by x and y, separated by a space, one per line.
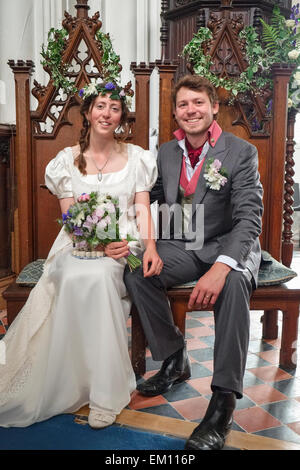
pixel 110 60
pixel 280 44
pixel 53 60
pixel 53 55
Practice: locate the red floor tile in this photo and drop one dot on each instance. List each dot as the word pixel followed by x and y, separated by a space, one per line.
pixel 149 374
pixel 202 385
pixel 207 321
pixel 264 393
pixel 255 419
pixel 195 343
pixel 270 373
pixel 138 401
pixel 148 353
pixel 295 427
pixel 270 356
pixel 191 408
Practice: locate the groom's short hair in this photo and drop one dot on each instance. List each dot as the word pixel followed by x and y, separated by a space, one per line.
pixel 196 83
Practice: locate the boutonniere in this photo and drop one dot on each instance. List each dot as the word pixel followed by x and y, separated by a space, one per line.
pixel 215 175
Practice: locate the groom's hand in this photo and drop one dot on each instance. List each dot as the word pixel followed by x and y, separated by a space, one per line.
pixel 209 286
pixel 117 250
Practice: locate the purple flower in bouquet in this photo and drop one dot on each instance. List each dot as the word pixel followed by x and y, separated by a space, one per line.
pixel 78 232
pixel 91 220
pixel 99 212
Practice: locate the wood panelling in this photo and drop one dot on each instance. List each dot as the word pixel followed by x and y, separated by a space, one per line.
pixel 7 197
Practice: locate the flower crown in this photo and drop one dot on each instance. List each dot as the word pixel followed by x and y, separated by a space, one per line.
pixel 117 93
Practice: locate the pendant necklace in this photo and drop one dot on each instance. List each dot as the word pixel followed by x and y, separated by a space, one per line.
pixel 99 176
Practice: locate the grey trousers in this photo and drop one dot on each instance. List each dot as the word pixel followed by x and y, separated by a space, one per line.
pixel 231 313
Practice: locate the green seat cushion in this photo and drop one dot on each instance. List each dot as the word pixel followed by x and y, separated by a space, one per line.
pixel 271 273
pixel 30 275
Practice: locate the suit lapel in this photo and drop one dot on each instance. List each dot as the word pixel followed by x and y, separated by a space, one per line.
pixel 174 170
pixel 218 152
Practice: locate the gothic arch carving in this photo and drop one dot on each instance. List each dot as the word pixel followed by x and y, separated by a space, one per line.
pixel 227 50
pixel 83 52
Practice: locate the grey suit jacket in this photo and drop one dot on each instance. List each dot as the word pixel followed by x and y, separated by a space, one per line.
pixel 232 215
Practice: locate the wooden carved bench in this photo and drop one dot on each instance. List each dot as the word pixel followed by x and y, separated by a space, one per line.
pixel 286 298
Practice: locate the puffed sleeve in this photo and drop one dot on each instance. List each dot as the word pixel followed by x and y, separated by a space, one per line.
pixel 58 176
pixel 146 170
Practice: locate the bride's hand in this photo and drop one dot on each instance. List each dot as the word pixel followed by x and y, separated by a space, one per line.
pixel 117 250
pixel 152 263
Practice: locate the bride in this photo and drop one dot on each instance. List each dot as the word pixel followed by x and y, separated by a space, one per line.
pixel 68 346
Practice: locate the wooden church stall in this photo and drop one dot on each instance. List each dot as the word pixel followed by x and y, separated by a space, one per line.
pixel 55 124
pixel 249 119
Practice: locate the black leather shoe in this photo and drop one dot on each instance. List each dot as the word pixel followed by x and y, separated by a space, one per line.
pixel 216 424
pixel 176 368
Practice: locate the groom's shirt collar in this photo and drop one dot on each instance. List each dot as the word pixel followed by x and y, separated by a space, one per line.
pixel 214 133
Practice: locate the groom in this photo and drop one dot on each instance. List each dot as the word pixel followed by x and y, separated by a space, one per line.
pixel 217 173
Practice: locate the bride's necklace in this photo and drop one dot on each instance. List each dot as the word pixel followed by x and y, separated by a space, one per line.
pixel 100 175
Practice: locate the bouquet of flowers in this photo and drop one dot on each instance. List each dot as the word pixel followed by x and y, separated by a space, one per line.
pixel 92 221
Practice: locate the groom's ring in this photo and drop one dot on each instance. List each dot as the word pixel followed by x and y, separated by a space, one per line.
pixel 207 296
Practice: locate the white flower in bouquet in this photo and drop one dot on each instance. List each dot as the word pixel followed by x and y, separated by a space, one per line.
pixel 79 219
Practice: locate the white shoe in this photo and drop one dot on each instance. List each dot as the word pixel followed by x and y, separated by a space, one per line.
pixel 101 418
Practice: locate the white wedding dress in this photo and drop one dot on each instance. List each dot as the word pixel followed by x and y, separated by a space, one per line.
pixel 69 344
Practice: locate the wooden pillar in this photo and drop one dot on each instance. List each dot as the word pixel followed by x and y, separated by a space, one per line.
pixel 22 71
pixel 7 200
pixel 142 74
pixel 138 344
pixel 281 77
pixel 166 81
pixel 164 29
pixel 287 235
pixel 82 8
pixel 275 190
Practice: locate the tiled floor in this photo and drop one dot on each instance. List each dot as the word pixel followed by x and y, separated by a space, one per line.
pixel 271 403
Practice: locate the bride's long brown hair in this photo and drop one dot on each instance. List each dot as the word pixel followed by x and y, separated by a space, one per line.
pixel 84 140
